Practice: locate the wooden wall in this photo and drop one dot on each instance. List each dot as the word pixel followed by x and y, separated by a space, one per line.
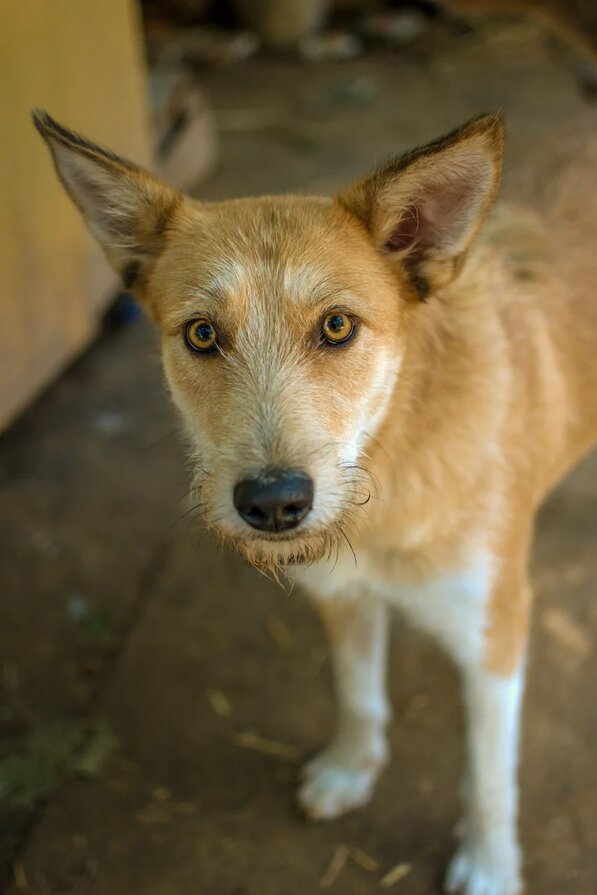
pixel 82 60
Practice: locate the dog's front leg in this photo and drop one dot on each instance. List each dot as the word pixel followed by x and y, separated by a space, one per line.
pixel 488 861
pixel 344 774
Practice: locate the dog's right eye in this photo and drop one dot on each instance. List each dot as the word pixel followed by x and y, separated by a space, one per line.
pixel 201 335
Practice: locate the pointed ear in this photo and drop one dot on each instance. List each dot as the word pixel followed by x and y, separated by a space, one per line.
pixel 424 208
pixel 126 208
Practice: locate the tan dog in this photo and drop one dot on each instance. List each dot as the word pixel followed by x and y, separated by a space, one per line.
pixel 324 352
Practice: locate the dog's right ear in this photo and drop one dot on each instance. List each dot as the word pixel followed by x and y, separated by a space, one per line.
pixel 126 208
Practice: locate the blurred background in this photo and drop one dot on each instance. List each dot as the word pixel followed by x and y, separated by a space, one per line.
pixel 157 698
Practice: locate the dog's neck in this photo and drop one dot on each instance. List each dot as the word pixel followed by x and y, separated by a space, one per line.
pixel 441 436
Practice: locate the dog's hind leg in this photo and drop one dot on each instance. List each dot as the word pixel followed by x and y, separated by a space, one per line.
pixel 488 861
pixel 344 774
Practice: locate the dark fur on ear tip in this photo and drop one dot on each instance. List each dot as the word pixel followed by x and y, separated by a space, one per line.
pixel 49 127
pixel 491 126
pixel 491 122
pixel 41 120
pixel 50 130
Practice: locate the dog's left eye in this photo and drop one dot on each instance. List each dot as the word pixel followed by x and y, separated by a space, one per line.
pixel 337 327
pixel 201 335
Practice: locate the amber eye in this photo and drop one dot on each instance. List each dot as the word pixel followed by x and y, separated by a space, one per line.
pixel 201 335
pixel 337 327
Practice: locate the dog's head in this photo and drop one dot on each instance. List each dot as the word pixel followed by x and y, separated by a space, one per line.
pixel 285 320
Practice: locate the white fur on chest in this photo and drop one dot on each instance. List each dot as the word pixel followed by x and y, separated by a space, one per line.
pixel 452 606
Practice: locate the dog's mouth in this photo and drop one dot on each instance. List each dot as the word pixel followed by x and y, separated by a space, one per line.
pixel 276 552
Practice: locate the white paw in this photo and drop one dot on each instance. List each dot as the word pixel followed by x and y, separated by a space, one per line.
pixel 342 776
pixel 330 790
pixel 477 870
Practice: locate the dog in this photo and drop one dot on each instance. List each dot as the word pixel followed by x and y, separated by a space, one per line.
pixel 379 389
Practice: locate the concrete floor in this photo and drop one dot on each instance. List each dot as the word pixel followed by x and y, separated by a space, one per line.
pixel 113 607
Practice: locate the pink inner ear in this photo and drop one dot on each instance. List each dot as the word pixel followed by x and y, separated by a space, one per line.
pixel 415 229
pixel 406 233
pixel 438 218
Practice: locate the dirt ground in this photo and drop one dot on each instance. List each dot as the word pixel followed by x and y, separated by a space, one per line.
pixel 114 608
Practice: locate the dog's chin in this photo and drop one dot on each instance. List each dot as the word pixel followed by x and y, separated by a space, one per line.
pixel 278 552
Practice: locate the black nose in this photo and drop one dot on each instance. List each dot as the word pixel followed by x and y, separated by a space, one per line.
pixel 276 501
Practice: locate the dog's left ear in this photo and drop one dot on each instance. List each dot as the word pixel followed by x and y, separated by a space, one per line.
pixel 127 209
pixel 424 208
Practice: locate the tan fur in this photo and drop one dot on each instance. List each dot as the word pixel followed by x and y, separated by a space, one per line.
pixel 432 437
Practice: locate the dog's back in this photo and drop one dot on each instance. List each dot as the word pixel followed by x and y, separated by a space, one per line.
pixel 570 209
pixel 546 234
pixel 571 217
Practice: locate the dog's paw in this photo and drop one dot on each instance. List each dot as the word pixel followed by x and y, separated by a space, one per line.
pixel 477 871
pixel 342 776
pixel 330 790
